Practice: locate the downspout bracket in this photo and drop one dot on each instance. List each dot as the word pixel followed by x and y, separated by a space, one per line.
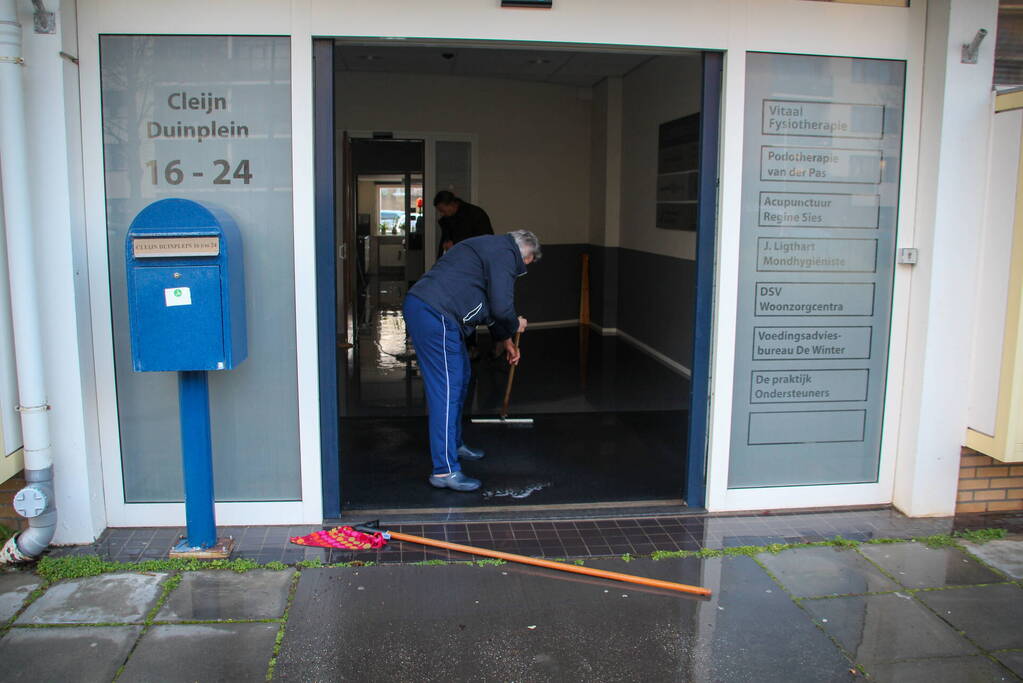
pixel 12 60
pixel 34 409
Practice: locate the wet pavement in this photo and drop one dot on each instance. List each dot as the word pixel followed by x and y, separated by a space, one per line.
pixel 512 623
pixel 899 612
pixel 1001 554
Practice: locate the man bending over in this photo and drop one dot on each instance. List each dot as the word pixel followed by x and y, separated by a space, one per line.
pixel 473 283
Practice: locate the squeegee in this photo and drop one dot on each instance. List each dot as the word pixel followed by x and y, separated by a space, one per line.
pixel 503 418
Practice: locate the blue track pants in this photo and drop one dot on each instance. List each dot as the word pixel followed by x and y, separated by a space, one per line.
pixel 444 363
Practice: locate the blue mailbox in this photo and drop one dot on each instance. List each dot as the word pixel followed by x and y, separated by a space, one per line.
pixel 186 310
pixel 186 288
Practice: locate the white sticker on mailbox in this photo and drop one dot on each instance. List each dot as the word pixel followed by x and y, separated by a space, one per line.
pixel 178 296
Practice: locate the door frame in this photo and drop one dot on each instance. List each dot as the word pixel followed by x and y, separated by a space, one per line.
pixel 430 139
pixel 325 144
pixel 325 210
pixel 697 450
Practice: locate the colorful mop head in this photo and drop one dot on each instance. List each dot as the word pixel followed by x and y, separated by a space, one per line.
pixel 343 538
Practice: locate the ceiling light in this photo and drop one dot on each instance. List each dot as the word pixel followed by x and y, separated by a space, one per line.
pixel 538 61
pixel 369 58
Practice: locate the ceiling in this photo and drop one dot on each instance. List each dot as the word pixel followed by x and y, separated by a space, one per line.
pixel 580 69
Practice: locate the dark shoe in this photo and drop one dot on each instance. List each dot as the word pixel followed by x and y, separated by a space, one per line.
pixel 466 453
pixel 456 481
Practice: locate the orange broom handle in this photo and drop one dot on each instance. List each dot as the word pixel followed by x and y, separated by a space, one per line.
pixel 549 564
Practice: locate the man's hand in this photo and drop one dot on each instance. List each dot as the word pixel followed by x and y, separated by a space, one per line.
pixel 447 245
pixel 512 352
pixel 522 324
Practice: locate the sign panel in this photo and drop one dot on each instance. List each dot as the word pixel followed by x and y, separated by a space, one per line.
pixel 820 197
pixel 808 118
pixel 817 254
pixel 808 386
pixel 820 164
pixel 814 298
pixel 206 118
pixel 156 247
pixel 818 210
pixel 812 343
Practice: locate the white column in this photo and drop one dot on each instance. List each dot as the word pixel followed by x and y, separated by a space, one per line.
pixel 954 130
pixel 55 188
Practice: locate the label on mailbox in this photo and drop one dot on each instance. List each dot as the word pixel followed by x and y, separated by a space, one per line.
pixel 155 247
pixel 178 296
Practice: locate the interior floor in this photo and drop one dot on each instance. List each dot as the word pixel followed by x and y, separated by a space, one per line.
pixel 561 459
pixel 563 370
pixel 610 421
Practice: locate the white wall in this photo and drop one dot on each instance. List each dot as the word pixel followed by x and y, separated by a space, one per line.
pixel 993 271
pixel 534 140
pixel 663 89
pixel 954 130
pixel 51 89
pixel 736 26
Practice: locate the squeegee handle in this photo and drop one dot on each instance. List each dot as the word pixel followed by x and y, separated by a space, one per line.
pixel 550 564
pixel 511 378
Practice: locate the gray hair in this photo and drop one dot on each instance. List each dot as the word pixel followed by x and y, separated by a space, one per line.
pixel 528 243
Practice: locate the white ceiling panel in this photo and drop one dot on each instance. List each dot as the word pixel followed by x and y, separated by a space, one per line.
pixel 396 59
pixel 602 64
pixel 564 67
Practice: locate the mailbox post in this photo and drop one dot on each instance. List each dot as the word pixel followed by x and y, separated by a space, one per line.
pixel 186 309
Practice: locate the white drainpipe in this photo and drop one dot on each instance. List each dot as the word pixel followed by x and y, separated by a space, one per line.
pixel 36 500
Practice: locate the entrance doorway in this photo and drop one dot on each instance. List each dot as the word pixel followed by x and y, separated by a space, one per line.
pixel 381 254
pixel 600 154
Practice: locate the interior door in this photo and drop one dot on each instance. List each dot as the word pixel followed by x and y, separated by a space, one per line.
pixel 415 230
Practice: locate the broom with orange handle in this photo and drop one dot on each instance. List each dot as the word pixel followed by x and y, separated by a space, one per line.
pixel 371 528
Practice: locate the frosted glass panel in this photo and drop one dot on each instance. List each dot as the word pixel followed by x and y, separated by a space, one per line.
pixel 208 119
pixel 820 189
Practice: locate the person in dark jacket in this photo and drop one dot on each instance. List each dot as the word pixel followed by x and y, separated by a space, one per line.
pixel 472 284
pixel 459 220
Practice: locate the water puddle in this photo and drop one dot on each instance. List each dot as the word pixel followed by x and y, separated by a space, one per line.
pixel 516 492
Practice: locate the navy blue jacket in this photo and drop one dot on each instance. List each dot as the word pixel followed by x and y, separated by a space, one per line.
pixel 474 283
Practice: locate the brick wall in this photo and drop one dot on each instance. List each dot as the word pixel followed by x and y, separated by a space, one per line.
pixel 988 485
pixel 8 517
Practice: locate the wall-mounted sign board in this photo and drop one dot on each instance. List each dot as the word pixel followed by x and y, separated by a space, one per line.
pixel 678 173
pixel 820 194
pixel 205 118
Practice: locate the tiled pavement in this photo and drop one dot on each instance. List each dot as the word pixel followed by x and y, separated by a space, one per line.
pixel 554 538
pixel 900 613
